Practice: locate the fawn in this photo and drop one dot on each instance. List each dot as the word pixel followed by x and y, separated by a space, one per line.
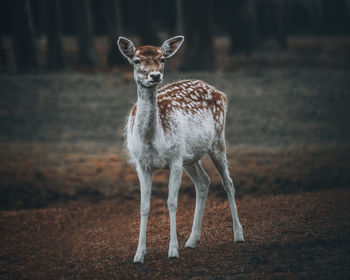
pixel 174 127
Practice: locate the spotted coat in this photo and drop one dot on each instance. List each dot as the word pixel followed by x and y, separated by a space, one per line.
pixel 190 97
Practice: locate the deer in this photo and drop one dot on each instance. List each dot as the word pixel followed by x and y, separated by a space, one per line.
pixel 173 128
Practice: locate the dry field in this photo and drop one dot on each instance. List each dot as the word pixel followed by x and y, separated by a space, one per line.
pixel 61 135
pixel 41 175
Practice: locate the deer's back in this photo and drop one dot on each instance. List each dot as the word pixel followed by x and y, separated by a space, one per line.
pixel 192 101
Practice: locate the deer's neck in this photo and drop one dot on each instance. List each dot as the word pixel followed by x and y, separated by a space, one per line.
pixel 147 113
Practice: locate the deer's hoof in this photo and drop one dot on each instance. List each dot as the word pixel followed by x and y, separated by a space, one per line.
pixel 173 253
pixel 139 256
pixel 238 236
pixel 192 242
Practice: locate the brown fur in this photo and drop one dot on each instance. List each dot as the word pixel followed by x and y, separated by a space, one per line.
pixel 149 56
pixel 191 97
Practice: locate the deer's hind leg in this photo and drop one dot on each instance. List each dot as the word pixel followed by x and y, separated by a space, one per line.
pixel 201 182
pixel 218 157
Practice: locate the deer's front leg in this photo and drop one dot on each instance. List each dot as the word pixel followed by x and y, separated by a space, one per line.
pixel 145 178
pixel 174 186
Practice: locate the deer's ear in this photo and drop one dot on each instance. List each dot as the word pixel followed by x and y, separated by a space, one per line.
pixel 126 47
pixel 170 46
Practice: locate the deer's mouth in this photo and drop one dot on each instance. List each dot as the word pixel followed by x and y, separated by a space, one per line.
pixel 152 83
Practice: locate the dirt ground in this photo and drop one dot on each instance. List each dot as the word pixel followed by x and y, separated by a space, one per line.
pixel 296 236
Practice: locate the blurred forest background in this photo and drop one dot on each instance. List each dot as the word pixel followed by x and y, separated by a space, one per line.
pixel 65 92
pixel 62 33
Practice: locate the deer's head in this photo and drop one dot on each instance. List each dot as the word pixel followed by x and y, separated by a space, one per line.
pixel 148 61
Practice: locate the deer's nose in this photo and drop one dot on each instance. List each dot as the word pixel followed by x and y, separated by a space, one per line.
pixel 155 76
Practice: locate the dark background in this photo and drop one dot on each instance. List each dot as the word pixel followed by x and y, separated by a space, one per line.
pixel 249 25
pixel 66 92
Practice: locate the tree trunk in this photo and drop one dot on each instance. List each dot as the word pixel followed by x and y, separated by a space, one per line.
pixel 242 26
pixel 23 37
pixel 115 29
pixel 3 57
pixel 180 18
pixel 55 58
pixel 271 22
pixel 39 17
pixel 280 29
pixel 145 26
pixel 86 48
pixel 335 17
pixel 199 45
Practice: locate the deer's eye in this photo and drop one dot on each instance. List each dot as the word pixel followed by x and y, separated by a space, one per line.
pixel 162 60
pixel 137 61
